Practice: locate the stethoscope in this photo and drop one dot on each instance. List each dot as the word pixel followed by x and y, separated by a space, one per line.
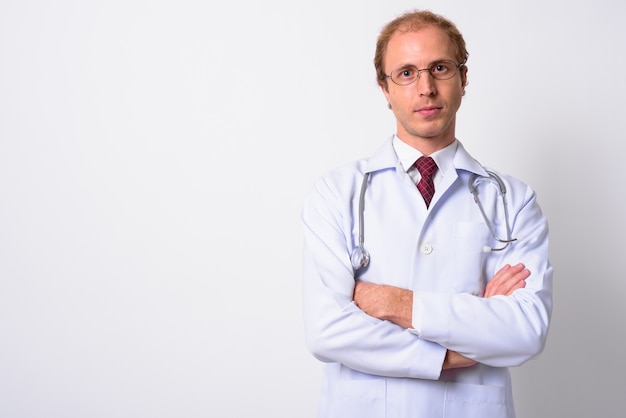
pixel 360 257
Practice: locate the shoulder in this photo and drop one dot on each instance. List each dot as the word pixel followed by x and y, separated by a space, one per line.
pixel 517 190
pixel 340 180
pixel 345 178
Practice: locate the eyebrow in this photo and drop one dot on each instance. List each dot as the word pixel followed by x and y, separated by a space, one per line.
pixel 428 66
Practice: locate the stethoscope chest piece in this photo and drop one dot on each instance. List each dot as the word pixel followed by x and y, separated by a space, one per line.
pixel 360 258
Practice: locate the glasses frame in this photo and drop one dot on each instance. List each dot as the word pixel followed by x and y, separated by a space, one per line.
pixel 456 67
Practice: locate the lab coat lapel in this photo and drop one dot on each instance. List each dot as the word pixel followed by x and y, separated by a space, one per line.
pixel 462 161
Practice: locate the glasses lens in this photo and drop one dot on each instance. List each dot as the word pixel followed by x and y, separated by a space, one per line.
pixel 443 70
pixel 404 75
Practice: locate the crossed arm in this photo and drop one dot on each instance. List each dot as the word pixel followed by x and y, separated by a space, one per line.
pixel 395 304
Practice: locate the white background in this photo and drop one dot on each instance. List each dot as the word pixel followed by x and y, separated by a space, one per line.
pixel 154 156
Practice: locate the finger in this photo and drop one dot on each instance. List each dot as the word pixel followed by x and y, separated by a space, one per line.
pixel 519 285
pixel 495 285
pixel 506 288
pixel 507 272
pixel 506 280
pixel 517 280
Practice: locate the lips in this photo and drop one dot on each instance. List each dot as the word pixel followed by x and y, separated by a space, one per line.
pixel 428 110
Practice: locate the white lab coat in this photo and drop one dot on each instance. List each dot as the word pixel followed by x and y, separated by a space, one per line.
pixel 377 369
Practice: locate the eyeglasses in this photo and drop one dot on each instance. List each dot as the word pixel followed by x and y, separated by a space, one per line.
pixel 439 70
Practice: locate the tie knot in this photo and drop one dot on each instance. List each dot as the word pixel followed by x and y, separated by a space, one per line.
pixel 426 166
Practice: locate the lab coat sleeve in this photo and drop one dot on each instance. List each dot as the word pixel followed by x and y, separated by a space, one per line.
pixel 336 329
pixel 499 331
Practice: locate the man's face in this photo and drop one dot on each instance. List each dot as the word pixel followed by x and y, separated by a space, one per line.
pixel 426 109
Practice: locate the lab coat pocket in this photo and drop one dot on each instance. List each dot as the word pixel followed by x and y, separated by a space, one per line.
pixel 359 399
pixel 475 401
pixel 467 257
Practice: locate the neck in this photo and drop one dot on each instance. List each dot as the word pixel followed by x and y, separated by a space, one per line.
pixel 426 146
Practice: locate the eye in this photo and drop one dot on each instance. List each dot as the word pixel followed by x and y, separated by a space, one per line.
pixel 406 73
pixel 441 68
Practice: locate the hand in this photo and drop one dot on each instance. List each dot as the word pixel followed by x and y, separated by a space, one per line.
pixel 507 280
pixel 385 302
pixel 454 360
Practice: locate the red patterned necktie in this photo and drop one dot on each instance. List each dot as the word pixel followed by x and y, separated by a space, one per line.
pixel 427 167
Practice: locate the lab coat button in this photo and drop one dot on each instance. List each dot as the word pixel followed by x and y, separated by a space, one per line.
pixel 427 249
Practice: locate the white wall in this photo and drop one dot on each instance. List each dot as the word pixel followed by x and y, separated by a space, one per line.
pixel 154 156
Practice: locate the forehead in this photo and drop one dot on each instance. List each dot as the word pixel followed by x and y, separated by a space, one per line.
pixel 419 47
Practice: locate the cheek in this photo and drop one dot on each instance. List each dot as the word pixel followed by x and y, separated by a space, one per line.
pixel 400 98
pixel 456 95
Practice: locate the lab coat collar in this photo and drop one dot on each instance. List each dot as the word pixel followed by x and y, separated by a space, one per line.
pixel 385 157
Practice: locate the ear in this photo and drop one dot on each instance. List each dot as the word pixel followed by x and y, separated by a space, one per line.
pixel 464 76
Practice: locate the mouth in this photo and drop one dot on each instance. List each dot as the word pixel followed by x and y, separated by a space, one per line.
pixel 428 111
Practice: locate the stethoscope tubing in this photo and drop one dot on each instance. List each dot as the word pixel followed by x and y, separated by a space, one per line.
pixel 360 257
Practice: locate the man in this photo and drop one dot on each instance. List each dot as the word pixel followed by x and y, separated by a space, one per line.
pixel 427 324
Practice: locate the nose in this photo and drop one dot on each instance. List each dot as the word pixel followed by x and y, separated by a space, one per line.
pixel 425 83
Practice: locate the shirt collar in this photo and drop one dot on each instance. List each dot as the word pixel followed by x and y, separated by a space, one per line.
pixel 449 160
pixel 407 155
